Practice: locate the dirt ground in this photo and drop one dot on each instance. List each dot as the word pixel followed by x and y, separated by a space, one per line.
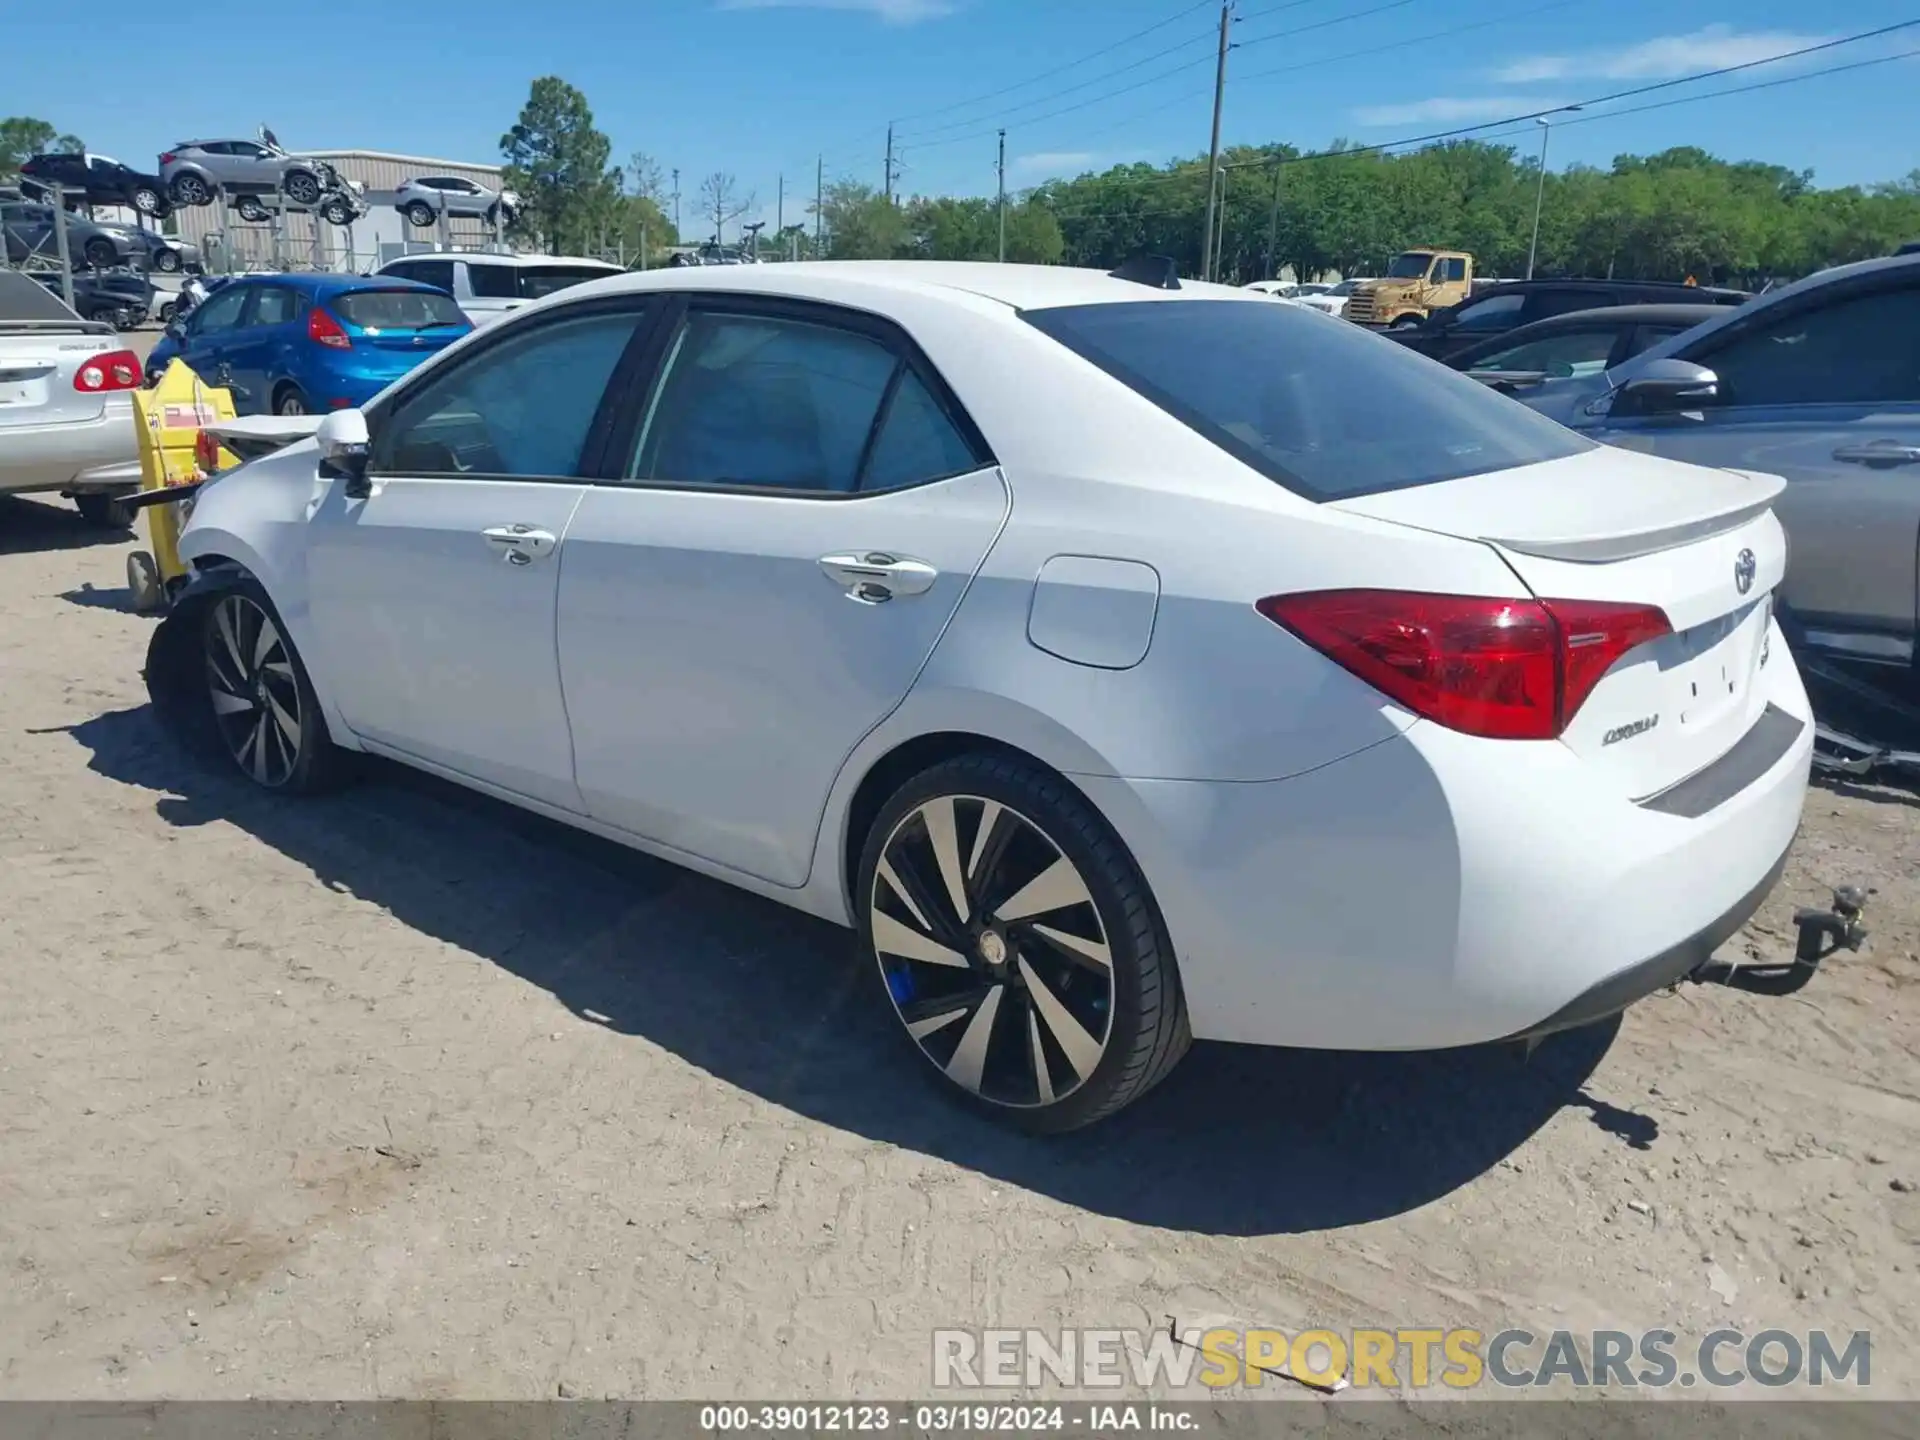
pixel 400 1093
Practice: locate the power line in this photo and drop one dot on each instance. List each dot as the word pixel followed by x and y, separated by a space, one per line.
pixel 1346 19
pixel 1195 171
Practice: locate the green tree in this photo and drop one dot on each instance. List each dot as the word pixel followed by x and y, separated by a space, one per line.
pixel 557 161
pixel 862 224
pixel 22 136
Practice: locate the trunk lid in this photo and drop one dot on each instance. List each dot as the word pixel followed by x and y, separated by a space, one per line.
pixel 36 375
pixel 1612 525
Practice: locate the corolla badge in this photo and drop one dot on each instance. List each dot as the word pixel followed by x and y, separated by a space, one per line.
pixel 1744 566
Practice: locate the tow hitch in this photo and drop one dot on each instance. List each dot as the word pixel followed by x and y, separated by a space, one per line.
pixel 1822 933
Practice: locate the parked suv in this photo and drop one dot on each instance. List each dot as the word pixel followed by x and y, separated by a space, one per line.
pixel 488 286
pixel 30 235
pixel 101 181
pixel 425 198
pixel 1521 302
pixel 193 168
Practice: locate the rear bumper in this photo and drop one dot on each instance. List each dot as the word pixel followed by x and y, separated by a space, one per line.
pixel 81 454
pixel 1436 890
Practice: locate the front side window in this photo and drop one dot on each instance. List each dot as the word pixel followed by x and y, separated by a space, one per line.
pixel 764 401
pixel 523 407
pixel 1496 312
pixel 1863 349
pixel 1328 411
pixel 1574 352
pixel 1455 270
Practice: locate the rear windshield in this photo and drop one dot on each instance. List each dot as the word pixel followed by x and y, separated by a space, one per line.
pixel 1320 406
pixel 528 282
pixel 397 309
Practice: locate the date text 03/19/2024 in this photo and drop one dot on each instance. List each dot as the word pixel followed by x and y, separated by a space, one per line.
pixel 940 1418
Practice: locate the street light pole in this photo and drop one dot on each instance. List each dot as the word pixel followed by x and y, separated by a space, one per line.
pixel 1213 154
pixel 1540 188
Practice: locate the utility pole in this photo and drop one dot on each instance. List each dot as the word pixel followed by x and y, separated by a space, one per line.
pixel 1003 197
pixel 819 202
pixel 888 187
pixel 780 207
pixel 1213 154
pixel 1273 225
pixel 676 207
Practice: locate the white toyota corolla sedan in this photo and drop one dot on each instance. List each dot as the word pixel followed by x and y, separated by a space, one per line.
pixel 1125 660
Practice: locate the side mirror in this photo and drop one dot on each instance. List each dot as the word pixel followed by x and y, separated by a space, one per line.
pixel 1666 387
pixel 345 449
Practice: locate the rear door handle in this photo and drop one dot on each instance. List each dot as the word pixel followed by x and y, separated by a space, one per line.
pixel 873 576
pixel 521 544
pixel 1879 453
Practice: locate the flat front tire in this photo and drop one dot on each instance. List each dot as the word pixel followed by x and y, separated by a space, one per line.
pixel 1018 945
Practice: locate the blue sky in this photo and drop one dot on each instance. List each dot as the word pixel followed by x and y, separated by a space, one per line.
pixel 758 88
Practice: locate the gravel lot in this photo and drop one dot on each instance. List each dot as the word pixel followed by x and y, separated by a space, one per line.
pixel 400 1093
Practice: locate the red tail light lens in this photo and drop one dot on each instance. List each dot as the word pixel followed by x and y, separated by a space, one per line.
pixel 115 370
pixel 323 329
pixel 168 158
pixel 1503 669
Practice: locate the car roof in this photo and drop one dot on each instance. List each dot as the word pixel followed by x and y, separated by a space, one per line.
pixel 325 284
pixel 1020 287
pixel 1652 313
pixel 1675 287
pixel 488 257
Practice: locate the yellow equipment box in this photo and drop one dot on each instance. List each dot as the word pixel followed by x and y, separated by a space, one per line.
pixel 168 419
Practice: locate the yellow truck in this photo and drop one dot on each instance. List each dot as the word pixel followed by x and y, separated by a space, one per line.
pixel 1417 283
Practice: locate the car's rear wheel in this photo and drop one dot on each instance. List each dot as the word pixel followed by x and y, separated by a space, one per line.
pixel 420 213
pixel 99 252
pixel 107 512
pixel 301 187
pixel 167 261
pixel 263 706
pixel 191 190
pixel 248 208
pixel 1018 944
pixel 149 201
pixel 1404 322
pixel 337 212
pixel 288 400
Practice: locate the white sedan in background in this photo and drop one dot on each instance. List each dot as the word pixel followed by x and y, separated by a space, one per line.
pixel 1332 299
pixel 1085 642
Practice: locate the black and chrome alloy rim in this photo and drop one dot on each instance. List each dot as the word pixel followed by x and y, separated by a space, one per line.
pixel 256 700
pixel 993 951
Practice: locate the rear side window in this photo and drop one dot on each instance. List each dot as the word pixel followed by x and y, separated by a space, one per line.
pixel 430 272
pixel 539 281
pixel 1325 409
pixel 397 309
pixel 490 282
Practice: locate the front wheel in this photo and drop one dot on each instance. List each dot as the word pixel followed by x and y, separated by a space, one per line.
pixel 149 201
pixel 167 262
pixel 263 706
pixel 1018 944
pixel 99 252
pixel 1405 322
pixel 420 213
pixel 337 212
pixel 250 210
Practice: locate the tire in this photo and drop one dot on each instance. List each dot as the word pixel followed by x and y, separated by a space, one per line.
pixel 259 699
pixel 302 187
pixel 492 217
pixel 1021 1020
pixel 168 311
pixel 167 262
pixel 100 253
pixel 420 213
pixel 288 400
pixel 248 208
pixel 149 201
pixel 337 212
pixel 190 190
pixel 103 511
pixel 1405 322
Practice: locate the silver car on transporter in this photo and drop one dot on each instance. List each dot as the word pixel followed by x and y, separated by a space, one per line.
pixel 1818 382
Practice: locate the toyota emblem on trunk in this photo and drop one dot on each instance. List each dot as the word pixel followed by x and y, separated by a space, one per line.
pixel 1743 567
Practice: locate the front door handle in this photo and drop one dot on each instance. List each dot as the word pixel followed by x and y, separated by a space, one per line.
pixel 1879 453
pixel 521 544
pixel 873 576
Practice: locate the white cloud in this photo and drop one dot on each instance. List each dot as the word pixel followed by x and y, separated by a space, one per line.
pixel 1449 108
pixel 1053 162
pixel 891 12
pixel 1711 48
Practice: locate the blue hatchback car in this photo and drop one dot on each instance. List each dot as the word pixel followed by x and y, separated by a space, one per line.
pixel 305 344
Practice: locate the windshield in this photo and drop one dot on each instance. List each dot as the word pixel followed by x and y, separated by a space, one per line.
pixel 1345 287
pixel 377 310
pixel 1411 266
pixel 539 281
pixel 1327 410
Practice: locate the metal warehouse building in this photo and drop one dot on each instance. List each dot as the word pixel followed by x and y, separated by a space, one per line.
pixel 289 241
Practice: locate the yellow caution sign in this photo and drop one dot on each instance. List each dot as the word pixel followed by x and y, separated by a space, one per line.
pixel 168 420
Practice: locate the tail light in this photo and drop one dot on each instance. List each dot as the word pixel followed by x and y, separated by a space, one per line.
pixel 115 370
pixel 323 329
pixel 168 158
pixel 1503 669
